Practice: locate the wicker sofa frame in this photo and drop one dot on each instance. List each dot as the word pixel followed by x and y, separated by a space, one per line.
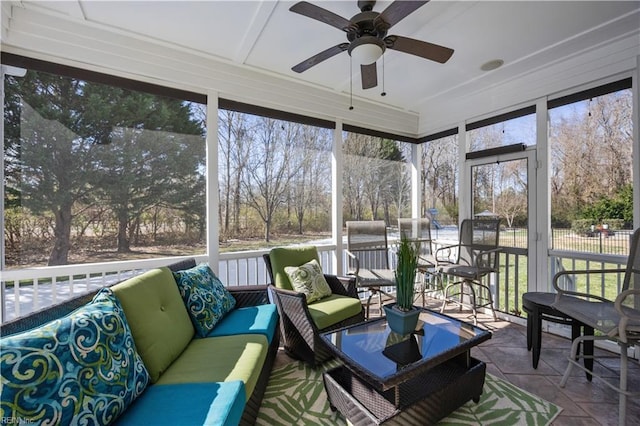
pixel 245 296
pixel 301 336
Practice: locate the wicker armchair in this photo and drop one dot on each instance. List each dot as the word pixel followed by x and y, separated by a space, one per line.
pixel 302 323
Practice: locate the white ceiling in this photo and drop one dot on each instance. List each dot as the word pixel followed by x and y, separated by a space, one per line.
pixel 547 47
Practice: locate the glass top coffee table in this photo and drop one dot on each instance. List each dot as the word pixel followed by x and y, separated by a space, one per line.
pixel 388 377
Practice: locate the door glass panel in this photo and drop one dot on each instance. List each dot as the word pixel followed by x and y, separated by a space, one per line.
pixel 500 189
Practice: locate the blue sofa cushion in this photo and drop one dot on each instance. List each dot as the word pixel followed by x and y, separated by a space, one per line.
pixel 80 369
pixel 261 319
pixel 188 404
pixel 206 298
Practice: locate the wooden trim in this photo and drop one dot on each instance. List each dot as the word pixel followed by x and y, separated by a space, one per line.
pixel 379 134
pixel 502 117
pixel 490 152
pixel 96 77
pixel 439 135
pixel 274 113
pixel 590 93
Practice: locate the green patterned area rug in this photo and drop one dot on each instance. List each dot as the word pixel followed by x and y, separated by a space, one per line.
pixel 296 396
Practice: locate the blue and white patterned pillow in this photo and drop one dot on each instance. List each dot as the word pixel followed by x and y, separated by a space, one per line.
pixel 206 298
pixel 80 369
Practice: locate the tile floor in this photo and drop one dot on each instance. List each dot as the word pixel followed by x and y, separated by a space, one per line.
pixel 583 402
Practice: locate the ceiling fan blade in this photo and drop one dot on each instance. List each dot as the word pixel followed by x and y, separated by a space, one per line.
pixel 323 15
pixel 322 56
pixel 420 48
pixel 369 75
pixel 398 10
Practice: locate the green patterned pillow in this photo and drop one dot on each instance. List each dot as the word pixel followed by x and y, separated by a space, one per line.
pixel 308 279
pixel 206 298
pixel 80 369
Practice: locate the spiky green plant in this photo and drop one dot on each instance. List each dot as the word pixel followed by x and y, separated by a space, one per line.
pixel 408 253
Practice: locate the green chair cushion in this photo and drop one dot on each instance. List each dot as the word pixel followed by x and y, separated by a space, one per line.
pixel 158 319
pixel 333 309
pixel 281 257
pixel 220 359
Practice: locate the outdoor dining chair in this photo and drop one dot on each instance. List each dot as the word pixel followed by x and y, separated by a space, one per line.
pixel 615 320
pixel 418 230
pixel 477 256
pixel 368 258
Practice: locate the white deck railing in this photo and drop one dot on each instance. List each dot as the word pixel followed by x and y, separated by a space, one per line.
pixel 27 290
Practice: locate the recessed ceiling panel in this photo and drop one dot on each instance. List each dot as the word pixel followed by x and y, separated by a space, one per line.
pixel 215 27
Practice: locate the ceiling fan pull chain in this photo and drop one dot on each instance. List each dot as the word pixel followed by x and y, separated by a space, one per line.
pixel 383 92
pixel 350 83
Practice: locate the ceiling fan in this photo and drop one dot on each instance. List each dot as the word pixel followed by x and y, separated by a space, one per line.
pixel 367 36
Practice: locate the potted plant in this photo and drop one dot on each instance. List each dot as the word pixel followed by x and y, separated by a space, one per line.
pixel 402 316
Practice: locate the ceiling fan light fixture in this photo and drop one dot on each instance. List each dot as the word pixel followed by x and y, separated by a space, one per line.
pixel 366 50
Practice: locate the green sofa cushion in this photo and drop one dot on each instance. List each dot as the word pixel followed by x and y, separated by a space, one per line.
pixel 333 309
pixel 206 404
pixel 159 321
pixel 281 257
pixel 220 359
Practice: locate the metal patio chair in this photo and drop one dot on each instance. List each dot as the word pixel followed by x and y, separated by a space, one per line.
pixel 477 256
pixel 418 230
pixel 616 320
pixel 368 258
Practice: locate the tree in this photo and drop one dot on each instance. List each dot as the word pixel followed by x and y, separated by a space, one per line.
pixel 153 148
pixel 69 134
pixel 51 148
pixel 374 173
pixel 234 135
pixel 309 175
pixel 512 189
pixel 591 143
pixel 268 174
pixel 440 175
pixel 619 206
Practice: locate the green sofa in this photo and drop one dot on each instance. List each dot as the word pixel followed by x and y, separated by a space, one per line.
pixel 133 354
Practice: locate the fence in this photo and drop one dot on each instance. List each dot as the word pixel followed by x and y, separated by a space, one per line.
pixel 607 242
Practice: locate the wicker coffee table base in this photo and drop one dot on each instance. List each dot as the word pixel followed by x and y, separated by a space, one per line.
pixel 426 398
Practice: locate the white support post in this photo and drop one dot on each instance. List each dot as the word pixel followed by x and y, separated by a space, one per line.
pixel 464 180
pixel 635 94
pixel 2 255
pixel 540 225
pixel 337 172
pixel 416 181
pixel 213 231
pixel 635 117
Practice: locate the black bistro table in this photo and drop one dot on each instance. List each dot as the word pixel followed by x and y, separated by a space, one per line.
pixel 388 378
pixel 538 306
